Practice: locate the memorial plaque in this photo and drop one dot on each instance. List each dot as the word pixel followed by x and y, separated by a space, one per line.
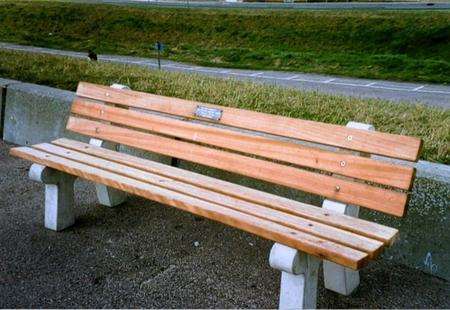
pixel 209 113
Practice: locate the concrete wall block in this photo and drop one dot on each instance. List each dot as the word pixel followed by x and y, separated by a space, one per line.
pixel 35 114
pixel 424 241
pixel 2 108
pixel 4 83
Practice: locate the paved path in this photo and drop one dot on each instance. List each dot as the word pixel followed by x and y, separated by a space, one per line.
pixel 429 94
pixel 106 260
pixel 430 5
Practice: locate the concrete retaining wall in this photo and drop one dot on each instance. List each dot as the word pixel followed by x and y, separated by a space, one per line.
pixel 2 105
pixel 4 83
pixel 36 114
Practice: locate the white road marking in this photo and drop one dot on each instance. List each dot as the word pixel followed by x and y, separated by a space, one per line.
pixel 389 88
pixel 205 70
pixel 217 70
pixel 256 74
pixel 271 77
pixel 240 74
pixel 434 91
pixel 178 67
pixel 150 64
pixel 292 77
pixel 306 80
pixel 137 62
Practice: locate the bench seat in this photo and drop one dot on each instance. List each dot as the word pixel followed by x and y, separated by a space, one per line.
pixel 339 238
pixel 331 161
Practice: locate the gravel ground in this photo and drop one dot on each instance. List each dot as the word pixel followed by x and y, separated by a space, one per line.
pixel 142 254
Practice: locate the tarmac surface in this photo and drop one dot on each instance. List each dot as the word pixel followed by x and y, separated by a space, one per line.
pixel 412 5
pixel 429 94
pixel 143 254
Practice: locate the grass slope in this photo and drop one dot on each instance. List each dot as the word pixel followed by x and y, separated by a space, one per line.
pixel 433 125
pixel 398 45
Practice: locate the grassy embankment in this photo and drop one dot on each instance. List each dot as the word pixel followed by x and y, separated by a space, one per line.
pixel 397 45
pixel 433 125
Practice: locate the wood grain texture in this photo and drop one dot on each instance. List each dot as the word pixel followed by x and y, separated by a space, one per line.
pixel 316 246
pixel 340 163
pixel 396 146
pixel 376 198
pixel 385 234
pixel 355 241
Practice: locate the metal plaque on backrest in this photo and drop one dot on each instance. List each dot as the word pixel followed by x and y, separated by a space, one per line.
pixel 208 113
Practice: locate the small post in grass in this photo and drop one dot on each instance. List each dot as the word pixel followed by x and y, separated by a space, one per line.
pixel 159 47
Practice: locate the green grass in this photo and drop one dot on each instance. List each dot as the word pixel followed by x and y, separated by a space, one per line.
pixel 396 45
pixel 431 124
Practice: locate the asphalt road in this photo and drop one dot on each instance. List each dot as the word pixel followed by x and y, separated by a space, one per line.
pixel 430 5
pixel 428 94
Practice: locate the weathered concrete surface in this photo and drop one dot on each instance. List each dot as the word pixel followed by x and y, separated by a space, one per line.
pixel 5 82
pixel 142 254
pixel 3 86
pixel 424 233
pixel 2 105
pixel 435 171
pixel 36 113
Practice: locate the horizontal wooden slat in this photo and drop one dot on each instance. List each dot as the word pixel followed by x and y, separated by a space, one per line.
pixel 390 145
pixel 305 242
pixel 355 241
pixel 362 227
pixel 333 188
pixel 344 164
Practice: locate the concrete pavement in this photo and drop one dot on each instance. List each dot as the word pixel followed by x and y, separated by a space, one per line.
pixel 429 94
pixel 143 255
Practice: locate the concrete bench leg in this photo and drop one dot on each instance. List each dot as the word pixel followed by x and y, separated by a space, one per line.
pixel 108 196
pixel 337 278
pixel 299 273
pixel 59 210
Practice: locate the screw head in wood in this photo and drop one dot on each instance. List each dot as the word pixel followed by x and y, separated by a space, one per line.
pixel 342 163
pixel 349 138
pixel 337 188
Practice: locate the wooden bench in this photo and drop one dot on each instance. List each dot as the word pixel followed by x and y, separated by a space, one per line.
pixel 322 159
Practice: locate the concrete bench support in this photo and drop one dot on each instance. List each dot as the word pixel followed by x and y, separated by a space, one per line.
pixel 337 278
pixel 108 196
pixel 59 210
pixel 299 273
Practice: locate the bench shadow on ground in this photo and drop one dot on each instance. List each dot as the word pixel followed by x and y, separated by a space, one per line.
pixel 143 254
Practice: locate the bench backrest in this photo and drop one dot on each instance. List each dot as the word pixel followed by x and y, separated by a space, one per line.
pixel 262 146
